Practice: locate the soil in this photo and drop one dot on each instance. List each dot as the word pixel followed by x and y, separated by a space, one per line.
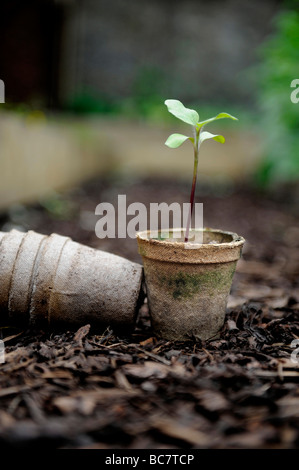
pixel 104 389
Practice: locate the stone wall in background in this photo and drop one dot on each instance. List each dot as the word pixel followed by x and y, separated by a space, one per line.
pixel 40 156
pixel 192 50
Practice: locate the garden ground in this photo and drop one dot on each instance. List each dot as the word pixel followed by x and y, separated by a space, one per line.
pixel 101 389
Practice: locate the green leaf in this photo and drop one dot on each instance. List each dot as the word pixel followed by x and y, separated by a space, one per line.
pixel 219 116
pixel 207 135
pixel 175 140
pixel 187 115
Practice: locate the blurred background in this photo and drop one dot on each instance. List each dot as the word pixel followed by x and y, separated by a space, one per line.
pixel 84 119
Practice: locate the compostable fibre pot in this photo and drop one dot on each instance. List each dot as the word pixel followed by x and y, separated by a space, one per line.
pixel 188 283
pixel 54 280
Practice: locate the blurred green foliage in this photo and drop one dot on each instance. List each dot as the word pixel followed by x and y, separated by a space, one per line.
pixel 147 92
pixel 279 117
pixel 59 207
pixel 146 99
pixel 89 102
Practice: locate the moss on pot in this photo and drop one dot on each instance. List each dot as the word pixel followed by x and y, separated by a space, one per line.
pixel 185 285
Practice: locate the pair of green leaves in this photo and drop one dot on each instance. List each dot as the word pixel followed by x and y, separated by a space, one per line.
pixel 190 116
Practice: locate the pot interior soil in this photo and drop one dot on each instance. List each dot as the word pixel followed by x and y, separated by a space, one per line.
pixel 205 237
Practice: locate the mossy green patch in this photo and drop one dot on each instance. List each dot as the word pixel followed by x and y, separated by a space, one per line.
pixel 142 251
pixel 185 285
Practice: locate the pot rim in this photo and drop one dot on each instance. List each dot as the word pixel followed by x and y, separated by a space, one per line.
pixel 186 252
pixel 237 240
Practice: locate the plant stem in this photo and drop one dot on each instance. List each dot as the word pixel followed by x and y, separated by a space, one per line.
pixel 191 205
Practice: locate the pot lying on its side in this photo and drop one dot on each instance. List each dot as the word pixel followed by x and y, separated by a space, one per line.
pixel 52 280
pixel 188 283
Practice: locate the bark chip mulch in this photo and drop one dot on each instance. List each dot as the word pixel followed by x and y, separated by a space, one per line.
pixel 101 389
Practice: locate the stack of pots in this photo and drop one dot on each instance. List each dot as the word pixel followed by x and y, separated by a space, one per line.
pixel 50 280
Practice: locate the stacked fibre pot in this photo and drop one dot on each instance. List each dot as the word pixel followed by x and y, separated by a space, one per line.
pixel 52 280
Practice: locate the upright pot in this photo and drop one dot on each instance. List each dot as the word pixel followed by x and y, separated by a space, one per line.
pixel 188 283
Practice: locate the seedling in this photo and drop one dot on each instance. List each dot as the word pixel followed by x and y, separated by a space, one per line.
pixel 190 116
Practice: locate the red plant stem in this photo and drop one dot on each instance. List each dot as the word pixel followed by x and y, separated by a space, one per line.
pixel 191 206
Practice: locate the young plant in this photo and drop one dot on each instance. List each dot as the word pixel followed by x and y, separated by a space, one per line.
pixel 191 117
